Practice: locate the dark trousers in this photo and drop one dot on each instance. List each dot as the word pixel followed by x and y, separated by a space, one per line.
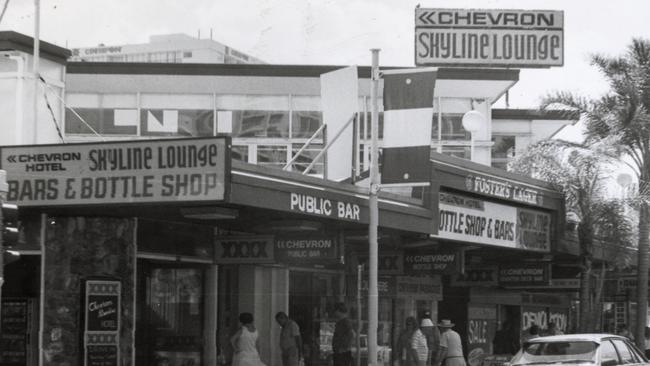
pixel 342 359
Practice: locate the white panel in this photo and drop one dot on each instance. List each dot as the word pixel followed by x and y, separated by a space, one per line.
pixel 340 99
pixel 169 122
pixel 407 127
pixel 176 101
pixel 119 100
pixel 224 122
pixel 82 100
pixel 253 102
pixel 126 117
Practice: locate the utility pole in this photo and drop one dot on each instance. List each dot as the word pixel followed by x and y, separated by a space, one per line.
pixel 373 206
pixel 3 190
pixel 37 56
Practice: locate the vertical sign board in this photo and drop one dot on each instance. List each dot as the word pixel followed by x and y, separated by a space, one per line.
pixel 132 172
pixel 14 323
pixel 102 311
pixel 489 37
pixel 481 328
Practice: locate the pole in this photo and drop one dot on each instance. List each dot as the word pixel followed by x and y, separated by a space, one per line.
pixel 373 246
pixel 359 319
pixel 3 190
pixel 37 56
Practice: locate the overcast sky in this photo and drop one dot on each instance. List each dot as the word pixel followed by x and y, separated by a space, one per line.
pixel 333 32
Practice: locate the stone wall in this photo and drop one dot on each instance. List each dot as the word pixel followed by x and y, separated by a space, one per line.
pixel 77 248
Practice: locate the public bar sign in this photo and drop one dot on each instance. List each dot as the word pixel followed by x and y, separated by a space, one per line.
pixel 172 170
pixel 489 37
pixel 477 221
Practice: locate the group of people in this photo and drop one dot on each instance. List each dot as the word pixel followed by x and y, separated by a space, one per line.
pixel 420 345
pixel 428 344
pixel 245 340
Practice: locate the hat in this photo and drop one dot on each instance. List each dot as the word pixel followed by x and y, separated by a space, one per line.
pixel 426 322
pixel 446 323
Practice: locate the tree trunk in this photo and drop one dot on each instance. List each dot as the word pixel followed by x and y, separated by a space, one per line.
pixel 642 275
pixel 585 299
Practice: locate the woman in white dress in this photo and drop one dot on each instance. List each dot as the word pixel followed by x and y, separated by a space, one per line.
pixel 244 343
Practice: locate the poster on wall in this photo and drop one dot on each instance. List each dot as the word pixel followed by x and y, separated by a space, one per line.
pixel 481 328
pixel 102 322
pixel 478 221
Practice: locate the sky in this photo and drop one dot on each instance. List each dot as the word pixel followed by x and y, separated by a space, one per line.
pixel 334 32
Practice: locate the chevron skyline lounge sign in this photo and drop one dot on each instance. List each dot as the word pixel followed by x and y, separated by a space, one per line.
pixel 489 37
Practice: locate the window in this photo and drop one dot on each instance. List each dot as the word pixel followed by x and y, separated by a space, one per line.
pixel 105 121
pixel 624 351
pixel 260 124
pixel 306 157
pixel 187 54
pixel 274 156
pixel 502 150
pixel 239 152
pixel 608 355
pixel 451 127
pixel 305 123
pixel 176 122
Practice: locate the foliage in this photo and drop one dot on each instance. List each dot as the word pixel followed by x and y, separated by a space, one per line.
pixel 621 119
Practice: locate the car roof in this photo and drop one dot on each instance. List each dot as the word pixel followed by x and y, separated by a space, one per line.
pixel 588 337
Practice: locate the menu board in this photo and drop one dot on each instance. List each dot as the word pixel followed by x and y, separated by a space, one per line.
pixel 101 355
pixel 102 322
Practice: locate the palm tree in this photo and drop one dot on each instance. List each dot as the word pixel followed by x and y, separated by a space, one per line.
pixel 581 174
pixel 621 118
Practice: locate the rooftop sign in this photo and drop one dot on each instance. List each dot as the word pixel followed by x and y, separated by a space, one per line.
pixel 489 37
pixel 173 170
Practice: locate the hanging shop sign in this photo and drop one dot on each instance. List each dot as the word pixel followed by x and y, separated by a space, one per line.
pixel 489 37
pixel 306 249
pixel 387 263
pixel 481 328
pixel 476 221
pixel 407 286
pixel 426 262
pixel 244 250
pixel 173 170
pixel 524 274
pixel 102 314
pixel 476 276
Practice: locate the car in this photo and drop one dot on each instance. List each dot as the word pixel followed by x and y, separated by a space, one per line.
pixel 579 350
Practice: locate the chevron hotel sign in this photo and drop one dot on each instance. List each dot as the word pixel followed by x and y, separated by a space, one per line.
pixel 489 37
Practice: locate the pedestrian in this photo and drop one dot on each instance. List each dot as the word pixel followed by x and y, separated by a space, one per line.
pixel 552 329
pixel 433 335
pixel 342 338
pixel 646 335
pixel 450 351
pixel 533 332
pixel 290 340
pixel 245 343
pixel 418 348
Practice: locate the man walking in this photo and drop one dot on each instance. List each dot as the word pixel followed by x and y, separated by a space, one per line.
pixel 290 340
pixel 450 352
pixel 342 338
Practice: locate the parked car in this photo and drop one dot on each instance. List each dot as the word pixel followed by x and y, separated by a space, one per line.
pixel 579 349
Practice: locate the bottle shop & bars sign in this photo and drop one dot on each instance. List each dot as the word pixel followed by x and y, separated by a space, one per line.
pixel 489 37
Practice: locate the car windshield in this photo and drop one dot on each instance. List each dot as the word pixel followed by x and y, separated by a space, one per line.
pixel 556 352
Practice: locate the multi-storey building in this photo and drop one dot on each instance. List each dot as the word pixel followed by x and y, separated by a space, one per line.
pixel 169 48
pixel 188 263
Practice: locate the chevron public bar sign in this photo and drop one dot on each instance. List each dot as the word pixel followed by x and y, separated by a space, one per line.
pixel 489 37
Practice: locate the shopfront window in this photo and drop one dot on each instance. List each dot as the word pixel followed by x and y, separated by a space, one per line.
pixel 306 157
pixel 305 123
pixel 170 315
pixel 104 121
pixel 274 156
pixel 177 122
pixel 502 150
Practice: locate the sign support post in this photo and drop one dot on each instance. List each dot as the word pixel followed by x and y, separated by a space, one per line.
pixel 373 205
pixel 3 191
